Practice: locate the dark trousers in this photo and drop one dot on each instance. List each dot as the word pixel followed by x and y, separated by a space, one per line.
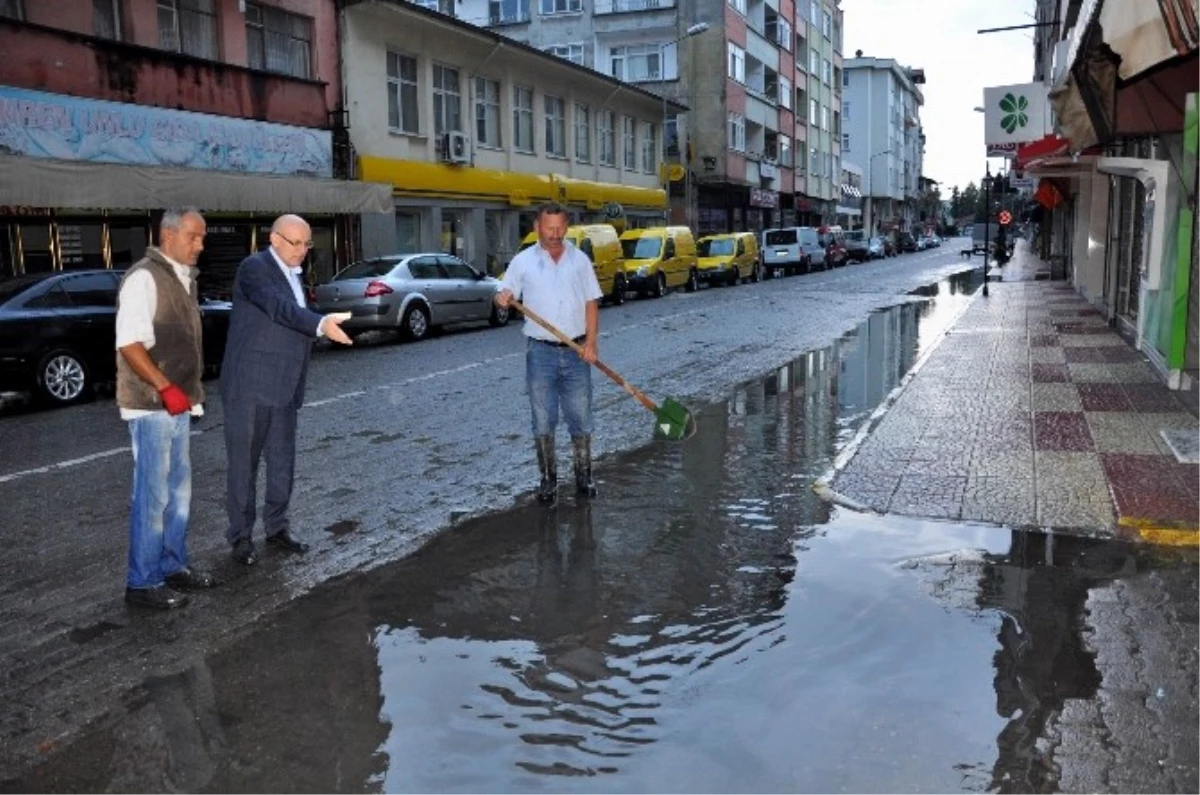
pixel 253 432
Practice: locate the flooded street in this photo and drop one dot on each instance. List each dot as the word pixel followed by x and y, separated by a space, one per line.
pixel 707 624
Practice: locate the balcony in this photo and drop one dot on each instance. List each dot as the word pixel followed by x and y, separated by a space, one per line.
pixel 622 6
pixel 508 17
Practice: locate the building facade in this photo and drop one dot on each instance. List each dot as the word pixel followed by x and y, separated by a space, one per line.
pixel 881 117
pixel 112 110
pixel 473 130
pixel 749 153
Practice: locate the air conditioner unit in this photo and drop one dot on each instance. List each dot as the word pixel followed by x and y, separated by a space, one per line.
pixel 456 147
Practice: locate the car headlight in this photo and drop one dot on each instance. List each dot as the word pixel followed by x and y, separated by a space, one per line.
pixel 642 271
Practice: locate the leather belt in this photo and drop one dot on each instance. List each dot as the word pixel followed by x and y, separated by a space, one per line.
pixel 556 344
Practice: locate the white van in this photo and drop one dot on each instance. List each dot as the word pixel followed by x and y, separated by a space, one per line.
pixel 792 249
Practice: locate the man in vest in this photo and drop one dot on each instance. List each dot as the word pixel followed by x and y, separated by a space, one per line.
pixel 159 365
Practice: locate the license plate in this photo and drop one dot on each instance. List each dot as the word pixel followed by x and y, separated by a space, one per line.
pixel 781 252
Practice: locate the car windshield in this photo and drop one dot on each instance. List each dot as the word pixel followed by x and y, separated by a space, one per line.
pixel 719 247
pixel 11 287
pixel 876 241
pixel 367 269
pixel 781 237
pixel 642 247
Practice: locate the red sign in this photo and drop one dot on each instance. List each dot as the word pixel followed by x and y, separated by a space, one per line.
pixel 1005 218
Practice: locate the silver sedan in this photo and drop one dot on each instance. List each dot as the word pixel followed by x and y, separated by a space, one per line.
pixel 411 293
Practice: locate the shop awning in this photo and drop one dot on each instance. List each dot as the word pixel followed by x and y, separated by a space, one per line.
pixel 37 182
pixel 850 190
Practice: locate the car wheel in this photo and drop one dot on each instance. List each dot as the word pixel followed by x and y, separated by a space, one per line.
pixel 500 315
pixel 617 297
pixel 415 324
pixel 756 273
pixel 63 378
pixel 734 277
pixel 660 285
pixel 693 283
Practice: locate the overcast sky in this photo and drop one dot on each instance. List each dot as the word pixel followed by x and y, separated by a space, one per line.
pixel 939 36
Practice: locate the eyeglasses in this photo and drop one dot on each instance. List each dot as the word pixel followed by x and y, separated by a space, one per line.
pixel 297 243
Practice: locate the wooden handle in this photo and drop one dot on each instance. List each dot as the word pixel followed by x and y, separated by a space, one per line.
pixel 575 346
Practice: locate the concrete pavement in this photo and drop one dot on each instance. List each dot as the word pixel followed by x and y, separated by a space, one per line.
pixel 1032 412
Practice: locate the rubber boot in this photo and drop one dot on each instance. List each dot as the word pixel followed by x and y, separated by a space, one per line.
pixel 548 469
pixel 582 448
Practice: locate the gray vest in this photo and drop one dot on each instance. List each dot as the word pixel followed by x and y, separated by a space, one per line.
pixel 178 339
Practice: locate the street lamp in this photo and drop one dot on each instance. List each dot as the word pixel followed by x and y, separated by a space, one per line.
pixel 694 30
pixel 871 186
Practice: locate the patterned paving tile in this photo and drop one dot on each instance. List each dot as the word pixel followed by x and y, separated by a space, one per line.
pixel 1151 487
pixel 1061 430
pixel 929 495
pixel 1107 354
pixel 1071 491
pixel 1004 500
pixel 1054 355
pixel 1151 397
pixel 1103 397
pixel 1055 397
pixel 1125 432
pixel 1133 373
pixel 1087 340
pixel 1094 373
pixel 1081 328
pixel 1049 372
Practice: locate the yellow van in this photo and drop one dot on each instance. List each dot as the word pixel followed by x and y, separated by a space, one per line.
pixel 728 258
pixel 659 258
pixel 602 246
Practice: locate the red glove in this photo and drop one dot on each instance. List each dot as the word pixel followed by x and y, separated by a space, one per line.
pixel 174 399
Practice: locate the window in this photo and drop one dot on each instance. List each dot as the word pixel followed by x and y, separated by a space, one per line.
pixel 826 71
pixel 487 112
pixel 837 77
pixel 523 118
pixel 814 12
pixel 814 162
pixel 561 6
pixel 568 52
pixel 556 126
pixel 785 151
pixel 278 41
pixel 737 132
pixel 649 147
pixel 583 133
pixel 845 143
pixel 447 100
pixel 846 109
pixel 837 124
pixel 826 25
pixel 11 9
pixel 825 117
pixel 814 62
pixel 606 134
pixel 814 112
pixel 737 63
pixel 845 78
pixel 501 12
pixel 188 26
pixel 636 62
pixel 630 159
pixel 738 6
pixel 106 19
pixel 402 93
pixel 785 92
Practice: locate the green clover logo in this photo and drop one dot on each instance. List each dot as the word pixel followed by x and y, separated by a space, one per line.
pixel 1014 112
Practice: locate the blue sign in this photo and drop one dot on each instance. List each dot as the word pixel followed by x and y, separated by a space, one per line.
pixel 39 124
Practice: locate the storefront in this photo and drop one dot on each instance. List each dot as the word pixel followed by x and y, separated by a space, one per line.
pixel 86 180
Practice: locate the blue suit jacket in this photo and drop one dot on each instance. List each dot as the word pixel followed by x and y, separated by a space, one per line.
pixel 270 337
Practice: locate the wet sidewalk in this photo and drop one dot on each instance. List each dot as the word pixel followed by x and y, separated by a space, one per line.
pixel 1033 413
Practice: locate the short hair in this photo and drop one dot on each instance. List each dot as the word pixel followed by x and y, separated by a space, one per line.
pixel 173 217
pixel 550 208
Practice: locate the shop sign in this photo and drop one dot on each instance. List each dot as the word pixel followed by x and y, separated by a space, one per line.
pixel 41 124
pixel 763 198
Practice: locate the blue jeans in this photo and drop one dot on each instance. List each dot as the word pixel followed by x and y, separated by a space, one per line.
pixel 162 497
pixel 557 377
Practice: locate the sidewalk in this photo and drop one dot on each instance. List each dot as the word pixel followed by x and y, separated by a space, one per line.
pixel 1032 413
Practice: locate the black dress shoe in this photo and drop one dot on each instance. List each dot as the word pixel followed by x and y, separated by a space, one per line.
pixel 160 597
pixel 287 542
pixel 244 552
pixel 189 579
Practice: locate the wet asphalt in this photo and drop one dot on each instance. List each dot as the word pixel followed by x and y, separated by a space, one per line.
pixel 707 624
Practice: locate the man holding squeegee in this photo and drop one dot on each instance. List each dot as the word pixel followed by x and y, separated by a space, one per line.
pixel 556 280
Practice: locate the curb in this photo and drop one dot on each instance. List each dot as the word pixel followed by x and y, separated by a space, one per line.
pixel 1152 531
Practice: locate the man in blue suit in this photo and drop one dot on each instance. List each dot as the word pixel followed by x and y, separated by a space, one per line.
pixel 270 339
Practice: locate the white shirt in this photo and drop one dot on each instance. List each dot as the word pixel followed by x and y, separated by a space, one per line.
pixel 135 316
pixel 558 291
pixel 293 277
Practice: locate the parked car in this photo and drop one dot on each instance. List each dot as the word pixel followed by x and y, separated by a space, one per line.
pixel 792 249
pixel 905 242
pixel 857 249
pixel 58 333
pixel 658 258
pixel 601 244
pixel 877 249
pixel 833 241
pixel 728 258
pixel 410 293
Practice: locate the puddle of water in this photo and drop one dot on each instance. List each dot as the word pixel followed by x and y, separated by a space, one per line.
pixel 707 624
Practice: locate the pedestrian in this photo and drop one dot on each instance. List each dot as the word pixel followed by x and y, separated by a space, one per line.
pixel 556 280
pixel 160 361
pixel 263 375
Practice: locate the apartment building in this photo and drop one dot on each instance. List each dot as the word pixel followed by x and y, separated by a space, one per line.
pixel 742 152
pixel 881 121
pixel 473 130
pixel 111 110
